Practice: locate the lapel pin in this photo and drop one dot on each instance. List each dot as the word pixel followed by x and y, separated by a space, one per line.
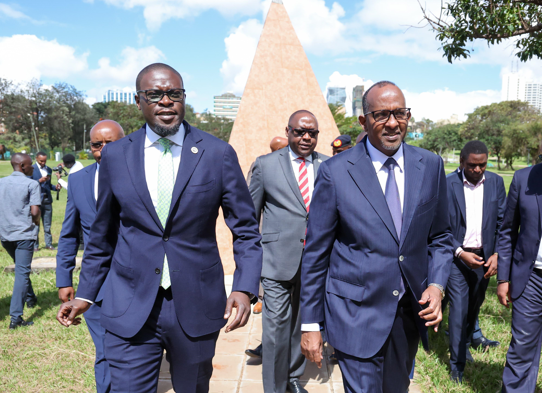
pixel 194 150
pixel 319 160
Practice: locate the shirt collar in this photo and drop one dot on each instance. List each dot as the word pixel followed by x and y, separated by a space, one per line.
pixel 152 137
pixel 379 159
pixel 294 156
pixel 17 173
pixel 97 167
pixel 468 183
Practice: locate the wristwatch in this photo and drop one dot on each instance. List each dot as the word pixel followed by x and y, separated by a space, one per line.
pixel 440 288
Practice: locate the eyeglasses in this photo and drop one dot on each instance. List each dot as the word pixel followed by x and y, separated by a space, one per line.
pixel 383 116
pixel 153 96
pixel 300 132
pixel 98 145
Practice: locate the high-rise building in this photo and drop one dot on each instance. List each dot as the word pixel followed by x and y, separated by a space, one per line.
pixel 120 96
pixel 349 96
pixel 226 105
pixel 336 95
pixel 516 87
pixel 357 97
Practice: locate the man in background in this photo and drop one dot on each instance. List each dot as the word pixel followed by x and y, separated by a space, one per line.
pixel 68 161
pixel 19 226
pixel 80 214
pixel 42 174
pixel 281 187
pixel 341 143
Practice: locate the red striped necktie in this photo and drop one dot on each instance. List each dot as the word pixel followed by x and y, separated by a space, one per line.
pixel 303 181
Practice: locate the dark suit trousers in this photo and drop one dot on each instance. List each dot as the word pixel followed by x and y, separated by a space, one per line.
pixel 523 358
pixel 466 291
pixel 97 332
pixel 46 218
pixel 135 362
pixel 389 370
pixel 282 360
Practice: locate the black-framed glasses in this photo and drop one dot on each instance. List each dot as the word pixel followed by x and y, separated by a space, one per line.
pixel 154 95
pixel 300 132
pixel 383 116
pixel 98 145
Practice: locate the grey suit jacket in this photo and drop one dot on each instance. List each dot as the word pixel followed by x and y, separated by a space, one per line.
pixel 275 192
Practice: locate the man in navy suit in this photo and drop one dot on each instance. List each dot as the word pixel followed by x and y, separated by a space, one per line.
pixel 378 253
pixel 42 174
pixel 80 214
pixel 520 278
pixel 154 239
pixel 476 202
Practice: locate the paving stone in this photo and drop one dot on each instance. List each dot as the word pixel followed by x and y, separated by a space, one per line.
pixel 43 264
pixel 223 387
pixel 232 343
pixel 227 367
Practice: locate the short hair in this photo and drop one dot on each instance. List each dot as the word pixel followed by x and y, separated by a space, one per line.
pixel 474 147
pixel 153 67
pixel 41 153
pixel 301 111
pixel 364 102
pixel 68 159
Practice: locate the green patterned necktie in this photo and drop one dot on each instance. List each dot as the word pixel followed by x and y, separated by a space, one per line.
pixel 165 190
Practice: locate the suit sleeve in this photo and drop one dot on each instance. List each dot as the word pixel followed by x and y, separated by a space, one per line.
pixel 456 243
pixel 321 233
pixel 103 236
pixel 256 188
pixel 508 233
pixel 68 244
pixel 501 200
pixel 240 217
pixel 440 241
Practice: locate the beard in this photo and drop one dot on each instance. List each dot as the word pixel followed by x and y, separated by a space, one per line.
pixel 165 131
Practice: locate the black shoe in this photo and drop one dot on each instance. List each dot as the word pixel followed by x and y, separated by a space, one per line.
pixel 470 359
pixel 255 353
pixel 14 325
pixel 484 343
pixel 456 376
pixel 295 387
pixel 32 303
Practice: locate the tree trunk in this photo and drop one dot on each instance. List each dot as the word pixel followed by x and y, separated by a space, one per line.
pixel 499 162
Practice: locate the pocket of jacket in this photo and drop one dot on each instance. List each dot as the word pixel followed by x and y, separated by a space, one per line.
pixel 270 237
pixel 213 293
pixel 345 289
pixel 193 189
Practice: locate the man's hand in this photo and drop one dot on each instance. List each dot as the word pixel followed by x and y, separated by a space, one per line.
pixel 311 346
pixel 241 302
pixel 66 294
pixel 58 187
pixel 58 175
pixel 503 293
pixel 70 310
pixel 43 179
pixel 433 312
pixel 471 259
pixel 491 264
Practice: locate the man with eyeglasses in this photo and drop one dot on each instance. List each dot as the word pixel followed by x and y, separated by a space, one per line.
pixel 154 239
pixel 378 253
pixel 282 184
pixel 80 214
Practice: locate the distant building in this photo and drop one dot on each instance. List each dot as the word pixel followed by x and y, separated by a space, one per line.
pixel 516 87
pixel 336 95
pixel 226 105
pixel 357 96
pixel 350 97
pixel 120 96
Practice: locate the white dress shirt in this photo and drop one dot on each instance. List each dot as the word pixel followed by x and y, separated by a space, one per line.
pixel 96 182
pixel 75 168
pixel 474 211
pixel 538 262
pixel 152 152
pixel 379 159
pixel 310 170
pixel 43 171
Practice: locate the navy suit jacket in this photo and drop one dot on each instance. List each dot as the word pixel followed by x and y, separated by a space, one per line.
pixel 209 178
pixel 521 230
pixel 492 216
pixel 46 187
pixel 353 259
pixel 80 214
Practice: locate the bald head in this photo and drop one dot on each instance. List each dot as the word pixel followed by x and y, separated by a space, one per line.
pixel 104 132
pixel 22 163
pixel 278 143
pixel 303 113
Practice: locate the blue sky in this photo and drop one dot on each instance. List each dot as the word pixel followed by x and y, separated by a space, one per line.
pixel 101 44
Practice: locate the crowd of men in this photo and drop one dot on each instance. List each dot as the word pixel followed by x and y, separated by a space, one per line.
pixel 359 249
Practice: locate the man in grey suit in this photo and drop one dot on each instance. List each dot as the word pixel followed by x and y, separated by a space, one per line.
pixel 281 187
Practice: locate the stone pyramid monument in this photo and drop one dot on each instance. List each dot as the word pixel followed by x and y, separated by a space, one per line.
pixel 280 82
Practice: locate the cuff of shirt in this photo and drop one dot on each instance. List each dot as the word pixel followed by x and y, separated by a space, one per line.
pixel 63 183
pixel 458 252
pixel 310 327
pixel 86 300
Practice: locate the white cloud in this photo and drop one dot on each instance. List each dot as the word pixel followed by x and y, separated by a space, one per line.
pixel 10 12
pixel 157 12
pixel 348 82
pixel 240 49
pixel 25 57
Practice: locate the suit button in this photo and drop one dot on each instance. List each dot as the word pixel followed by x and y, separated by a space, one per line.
pixel 395 293
pixel 401 258
pixel 157 271
pixel 302 240
pixel 166 238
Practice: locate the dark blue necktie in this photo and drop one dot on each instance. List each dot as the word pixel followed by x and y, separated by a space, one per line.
pixel 394 204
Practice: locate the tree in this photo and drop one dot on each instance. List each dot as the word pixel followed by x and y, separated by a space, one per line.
pixel 488 123
pixel 100 108
pixel 463 21
pixel 127 115
pixel 347 125
pixel 220 127
pixel 443 138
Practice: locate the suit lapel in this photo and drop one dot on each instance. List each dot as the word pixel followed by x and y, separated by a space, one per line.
pixel 459 194
pixel 89 186
pixel 316 161
pixel 414 172
pixel 488 187
pixel 135 161
pixel 363 173
pixel 284 159
pixel 190 156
